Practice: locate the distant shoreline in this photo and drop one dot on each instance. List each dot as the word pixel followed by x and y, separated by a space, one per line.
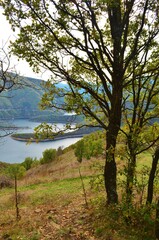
pixel 13 128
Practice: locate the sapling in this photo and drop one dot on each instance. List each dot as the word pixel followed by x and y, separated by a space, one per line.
pixel 16 171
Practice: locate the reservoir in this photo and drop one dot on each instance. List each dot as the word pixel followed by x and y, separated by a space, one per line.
pixel 12 151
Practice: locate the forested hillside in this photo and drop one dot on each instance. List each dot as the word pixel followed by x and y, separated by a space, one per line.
pixel 22 101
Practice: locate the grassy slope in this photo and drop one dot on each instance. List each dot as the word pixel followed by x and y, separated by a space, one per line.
pixel 52 206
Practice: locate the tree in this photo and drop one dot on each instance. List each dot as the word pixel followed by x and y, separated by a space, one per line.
pixel 89 146
pixel 49 155
pixel 91 45
pixel 27 163
pixel 140 114
pixel 140 108
pixel 152 174
pixel 79 150
pixel 16 171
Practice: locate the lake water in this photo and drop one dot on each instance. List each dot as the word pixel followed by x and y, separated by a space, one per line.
pixel 12 151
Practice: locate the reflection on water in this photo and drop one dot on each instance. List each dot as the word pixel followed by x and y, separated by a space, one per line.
pixel 13 151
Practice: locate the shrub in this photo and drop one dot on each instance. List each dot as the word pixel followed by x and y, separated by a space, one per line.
pixel 35 163
pixel 79 150
pixel 5 182
pixel 49 155
pixel 27 163
pixel 59 151
pixel 89 146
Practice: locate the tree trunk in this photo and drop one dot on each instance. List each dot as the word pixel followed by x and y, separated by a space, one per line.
pixel 110 172
pixel 130 178
pixel 110 166
pixel 152 176
pixel 16 200
pixel 110 180
pixel 157 221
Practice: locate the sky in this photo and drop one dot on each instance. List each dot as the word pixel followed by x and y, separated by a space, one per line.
pixel 21 66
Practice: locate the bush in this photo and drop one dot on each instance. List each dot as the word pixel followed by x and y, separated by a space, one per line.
pixel 79 150
pixel 5 182
pixel 49 155
pixel 27 163
pixel 35 163
pixel 89 146
pixel 59 151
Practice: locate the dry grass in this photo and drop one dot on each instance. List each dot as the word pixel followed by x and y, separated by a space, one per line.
pixel 51 202
pixel 52 205
pixel 48 211
pixel 65 167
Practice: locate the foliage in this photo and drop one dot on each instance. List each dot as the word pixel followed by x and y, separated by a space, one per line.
pixel 107 52
pixel 79 150
pixel 138 139
pixel 3 167
pixel 59 151
pixel 121 222
pixel 16 171
pixel 49 155
pixel 43 131
pixel 91 146
pixel 35 162
pixel 97 179
pixel 27 163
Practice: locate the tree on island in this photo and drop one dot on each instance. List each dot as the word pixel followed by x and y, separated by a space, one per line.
pixel 91 45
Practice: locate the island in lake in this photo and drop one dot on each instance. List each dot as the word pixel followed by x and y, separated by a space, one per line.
pixel 32 137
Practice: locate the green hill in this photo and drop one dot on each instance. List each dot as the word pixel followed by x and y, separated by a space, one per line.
pixel 22 100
